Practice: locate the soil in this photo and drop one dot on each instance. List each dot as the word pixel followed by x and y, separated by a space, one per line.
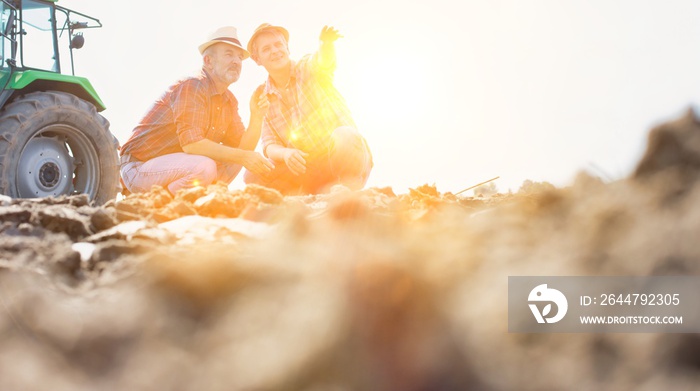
pixel 219 289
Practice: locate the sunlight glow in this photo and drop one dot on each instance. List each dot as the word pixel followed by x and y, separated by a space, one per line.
pixel 446 92
pixel 396 91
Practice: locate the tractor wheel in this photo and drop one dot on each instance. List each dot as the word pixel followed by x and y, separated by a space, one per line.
pixel 53 143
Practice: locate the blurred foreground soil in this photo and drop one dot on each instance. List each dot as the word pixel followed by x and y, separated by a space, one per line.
pixel 248 290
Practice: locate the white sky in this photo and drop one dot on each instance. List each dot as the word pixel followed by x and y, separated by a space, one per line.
pixel 446 92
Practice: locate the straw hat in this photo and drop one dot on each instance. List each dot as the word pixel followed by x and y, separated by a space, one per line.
pixel 266 27
pixel 226 34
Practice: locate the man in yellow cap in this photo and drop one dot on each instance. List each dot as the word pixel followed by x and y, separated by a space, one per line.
pixel 308 131
pixel 193 134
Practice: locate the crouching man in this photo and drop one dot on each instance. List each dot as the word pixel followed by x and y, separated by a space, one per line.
pixel 193 134
pixel 308 131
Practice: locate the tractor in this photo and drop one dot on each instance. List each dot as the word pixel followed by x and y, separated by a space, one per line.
pixel 53 141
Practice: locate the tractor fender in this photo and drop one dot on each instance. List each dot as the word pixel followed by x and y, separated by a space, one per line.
pixel 24 82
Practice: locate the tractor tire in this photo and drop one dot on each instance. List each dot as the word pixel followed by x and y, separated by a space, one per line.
pixel 54 143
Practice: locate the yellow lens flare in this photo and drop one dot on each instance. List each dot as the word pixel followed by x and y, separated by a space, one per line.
pixel 314 128
pixel 196 183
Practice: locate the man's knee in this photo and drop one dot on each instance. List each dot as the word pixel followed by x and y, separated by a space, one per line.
pixel 347 143
pixel 204 171
pixel 349 153
pixel 250 178
pixel 346 135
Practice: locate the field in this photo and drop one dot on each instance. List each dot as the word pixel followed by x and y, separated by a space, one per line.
pixel 219 289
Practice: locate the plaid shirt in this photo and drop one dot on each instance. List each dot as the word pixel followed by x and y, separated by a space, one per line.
pixel 303 114
pixel 189 111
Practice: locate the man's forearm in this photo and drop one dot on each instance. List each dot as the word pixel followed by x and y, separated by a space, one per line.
pixel 252 134
pixel 218 152
pixel 275 152
pixel 326 54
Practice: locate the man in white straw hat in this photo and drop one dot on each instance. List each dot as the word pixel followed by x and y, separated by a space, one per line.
pixel 193 135
pixel 308 131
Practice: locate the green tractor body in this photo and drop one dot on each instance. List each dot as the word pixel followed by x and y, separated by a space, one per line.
pixel 53 141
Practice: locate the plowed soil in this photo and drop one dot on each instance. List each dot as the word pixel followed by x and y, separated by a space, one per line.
pixel 218 289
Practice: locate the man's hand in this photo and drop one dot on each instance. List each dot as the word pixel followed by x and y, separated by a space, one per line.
pixel 259 103
pixel 329 34
pixel 257 163
pixel 294 159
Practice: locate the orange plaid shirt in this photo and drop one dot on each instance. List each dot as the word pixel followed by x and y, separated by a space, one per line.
pixel 189 111
pixel 304 113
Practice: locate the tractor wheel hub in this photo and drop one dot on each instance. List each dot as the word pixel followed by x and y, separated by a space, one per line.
pixel 45 168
